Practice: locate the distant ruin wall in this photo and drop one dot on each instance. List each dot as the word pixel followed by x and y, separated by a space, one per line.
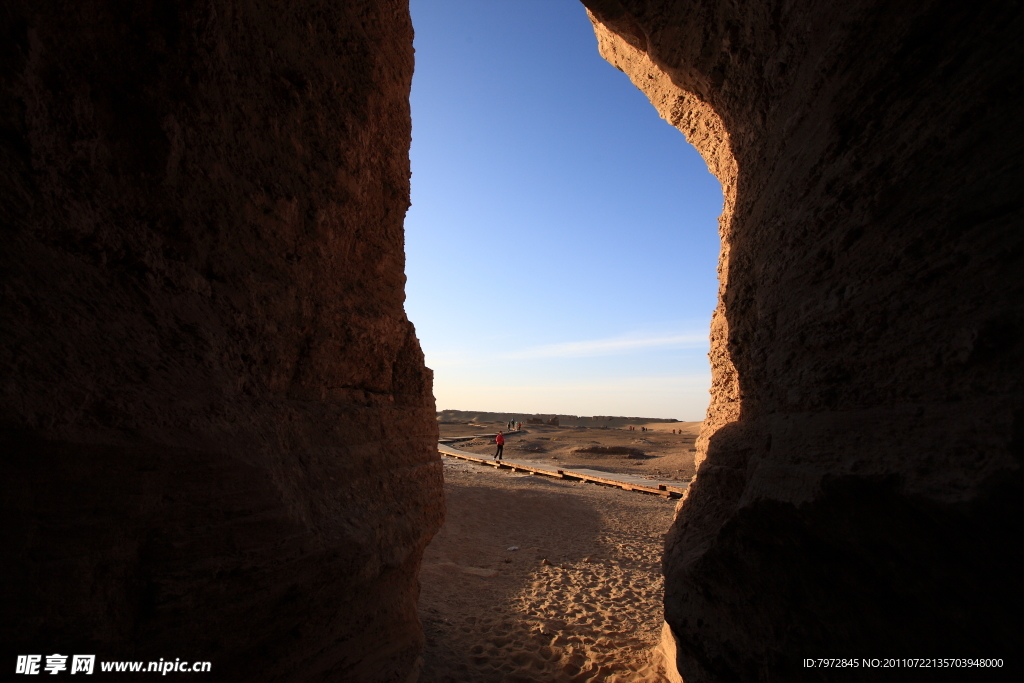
pixel 216 428
pixel 480 416
pixel 860 485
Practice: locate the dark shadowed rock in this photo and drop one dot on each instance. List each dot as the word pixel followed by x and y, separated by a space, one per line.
pixel 217 429
pixel 860 487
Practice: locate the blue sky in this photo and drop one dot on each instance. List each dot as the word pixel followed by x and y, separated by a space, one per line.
pixel 562 240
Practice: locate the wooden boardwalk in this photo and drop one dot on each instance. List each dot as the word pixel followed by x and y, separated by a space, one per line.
pixel 628 482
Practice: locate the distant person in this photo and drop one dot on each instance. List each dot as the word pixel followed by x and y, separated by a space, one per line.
pixel 500 440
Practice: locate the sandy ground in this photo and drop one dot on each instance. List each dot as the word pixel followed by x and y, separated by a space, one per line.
pixel 656 452
pixel 579 599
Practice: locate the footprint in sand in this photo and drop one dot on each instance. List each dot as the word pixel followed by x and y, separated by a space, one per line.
pixel 580 621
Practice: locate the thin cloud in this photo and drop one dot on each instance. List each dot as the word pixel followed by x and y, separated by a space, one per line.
pixel 606 347
pixel 696 382
pixel 681 396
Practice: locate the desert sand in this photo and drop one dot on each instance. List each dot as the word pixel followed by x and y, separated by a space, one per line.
pixel 579 598
pixel 655 452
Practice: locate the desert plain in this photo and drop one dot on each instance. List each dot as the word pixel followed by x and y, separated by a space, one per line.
pixel 533 578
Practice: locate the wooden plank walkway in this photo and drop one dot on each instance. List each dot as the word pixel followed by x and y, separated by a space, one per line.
pixel 626 482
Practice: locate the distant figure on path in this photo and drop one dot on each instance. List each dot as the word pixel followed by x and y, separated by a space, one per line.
pixel 500 440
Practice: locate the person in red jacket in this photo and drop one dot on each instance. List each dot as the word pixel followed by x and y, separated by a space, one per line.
pixel 500 440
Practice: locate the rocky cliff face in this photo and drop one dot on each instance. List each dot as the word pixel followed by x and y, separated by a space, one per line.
pixel 860 486
pixel 217 429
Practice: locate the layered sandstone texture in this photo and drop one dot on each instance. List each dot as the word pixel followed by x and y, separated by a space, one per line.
pixel 216 427
pixel 860 487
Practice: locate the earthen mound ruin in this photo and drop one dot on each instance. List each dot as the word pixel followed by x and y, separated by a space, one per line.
pixel 217 431
pixel 611 450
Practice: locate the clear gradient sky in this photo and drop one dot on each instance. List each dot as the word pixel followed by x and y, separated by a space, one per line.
pixel 562 241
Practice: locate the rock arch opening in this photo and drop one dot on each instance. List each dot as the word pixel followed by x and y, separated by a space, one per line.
pixel 454 578
pixel 585 225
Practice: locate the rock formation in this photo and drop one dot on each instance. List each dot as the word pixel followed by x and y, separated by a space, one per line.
pixel 217 430
pixel 859 491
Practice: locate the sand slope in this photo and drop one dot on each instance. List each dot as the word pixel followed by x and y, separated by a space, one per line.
pixel 492 614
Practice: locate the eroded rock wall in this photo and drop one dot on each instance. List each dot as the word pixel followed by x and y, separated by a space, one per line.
pixel 216 427
pixel 859 491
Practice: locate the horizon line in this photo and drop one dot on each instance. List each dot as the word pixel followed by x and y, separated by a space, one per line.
pixel 613 417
